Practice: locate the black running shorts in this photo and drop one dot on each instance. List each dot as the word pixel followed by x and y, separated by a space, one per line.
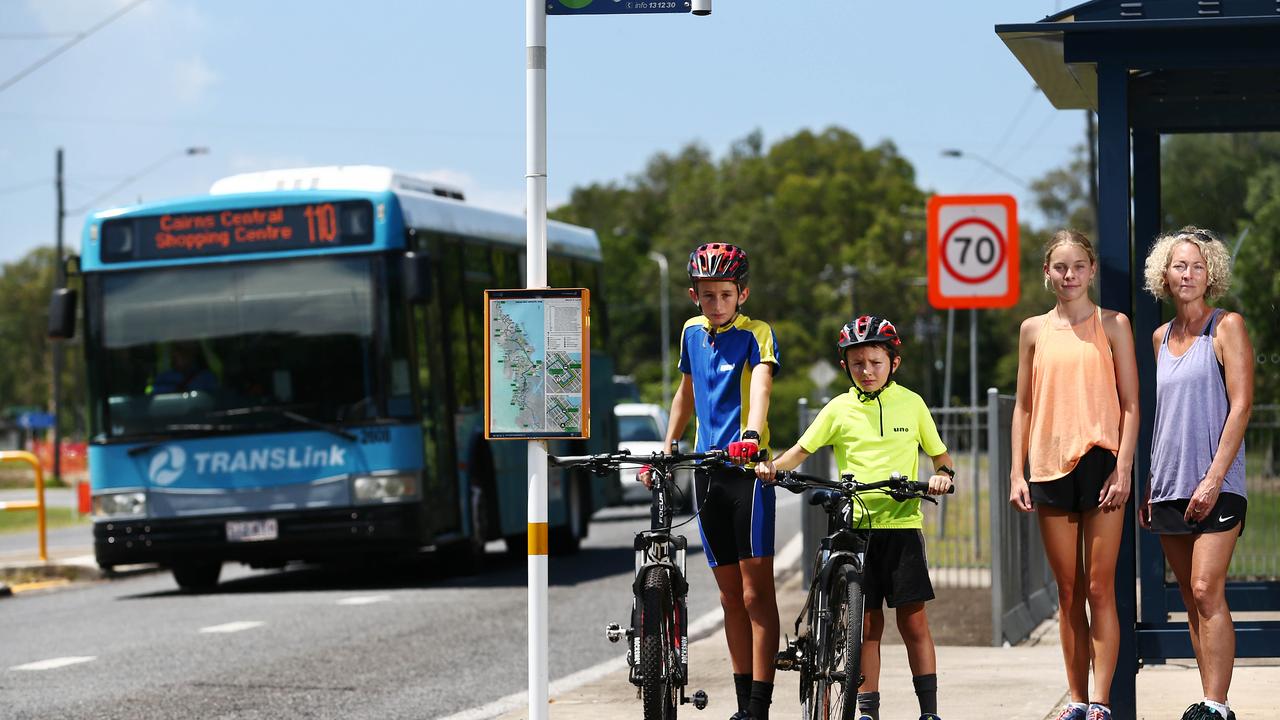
pixel 896 571
pixel 1167 517
pixel 1078 490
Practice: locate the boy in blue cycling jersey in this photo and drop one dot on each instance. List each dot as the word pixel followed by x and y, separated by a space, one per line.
pixel 728 361
pixel 878 428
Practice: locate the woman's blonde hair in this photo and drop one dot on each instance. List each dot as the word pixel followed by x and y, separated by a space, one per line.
pixel 1215 253
pixel 1068 237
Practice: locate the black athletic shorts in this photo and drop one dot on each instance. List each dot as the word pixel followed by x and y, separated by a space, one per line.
pixel 1167 516
pixel 1078 490
pixel 735 515
pixel 896 571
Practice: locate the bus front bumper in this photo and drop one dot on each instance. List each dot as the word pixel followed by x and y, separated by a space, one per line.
pixel 312 535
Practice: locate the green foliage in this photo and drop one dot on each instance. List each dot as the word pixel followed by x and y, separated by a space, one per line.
pixel 26 364
pixel 824 219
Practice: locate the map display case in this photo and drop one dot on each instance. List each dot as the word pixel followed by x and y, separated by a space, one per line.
pixel 537 364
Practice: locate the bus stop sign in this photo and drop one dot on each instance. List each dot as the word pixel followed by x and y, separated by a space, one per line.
pixel 973 251
pixel 616 7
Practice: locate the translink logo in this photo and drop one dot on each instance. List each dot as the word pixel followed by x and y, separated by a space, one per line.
pixel 170 461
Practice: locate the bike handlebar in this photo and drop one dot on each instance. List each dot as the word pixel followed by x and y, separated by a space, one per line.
pixel 798 482
pixel 617 459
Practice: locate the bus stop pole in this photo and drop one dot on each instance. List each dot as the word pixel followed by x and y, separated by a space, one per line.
pixel 535 180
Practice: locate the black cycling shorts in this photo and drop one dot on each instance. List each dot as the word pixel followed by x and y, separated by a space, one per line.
pixel 896 570
pixel 1078 490
pixel 735 515
pixel 1167 517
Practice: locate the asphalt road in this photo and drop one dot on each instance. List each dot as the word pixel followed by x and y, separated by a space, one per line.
pixel 369 642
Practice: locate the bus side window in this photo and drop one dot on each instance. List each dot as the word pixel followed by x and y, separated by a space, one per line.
pixel 559 272
pixel 456 325
pixel 587 275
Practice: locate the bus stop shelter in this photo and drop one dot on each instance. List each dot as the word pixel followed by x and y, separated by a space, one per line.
pixel 1150 68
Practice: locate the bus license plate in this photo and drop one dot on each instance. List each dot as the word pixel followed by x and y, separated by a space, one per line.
pixel 252 530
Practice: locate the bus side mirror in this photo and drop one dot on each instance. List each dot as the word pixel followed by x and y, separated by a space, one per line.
pixel 416 269
pixel 62 314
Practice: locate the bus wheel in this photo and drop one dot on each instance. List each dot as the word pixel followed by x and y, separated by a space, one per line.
pixel 567 539
pixel 196 576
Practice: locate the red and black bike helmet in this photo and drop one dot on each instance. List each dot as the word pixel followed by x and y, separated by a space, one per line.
pixel 869 330
pixel 719 261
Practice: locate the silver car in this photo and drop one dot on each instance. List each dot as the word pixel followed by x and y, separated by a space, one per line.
pixel 641 427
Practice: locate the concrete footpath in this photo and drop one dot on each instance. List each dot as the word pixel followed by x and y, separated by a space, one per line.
pixel 1014 683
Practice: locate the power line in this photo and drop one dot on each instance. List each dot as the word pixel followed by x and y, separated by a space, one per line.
pixel 34 36
pixel 68 45
pixel 24 186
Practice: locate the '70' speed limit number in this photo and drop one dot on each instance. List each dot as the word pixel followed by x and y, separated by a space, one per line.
pixel 973 251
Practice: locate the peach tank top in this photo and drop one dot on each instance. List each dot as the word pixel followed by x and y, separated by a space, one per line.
pixel 1074 401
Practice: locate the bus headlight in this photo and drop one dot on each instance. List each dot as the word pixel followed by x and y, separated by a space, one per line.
pixel 384 487
pixel 120 504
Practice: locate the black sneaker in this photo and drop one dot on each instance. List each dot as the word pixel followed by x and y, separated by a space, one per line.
pixel 741 715
pixel 1195 712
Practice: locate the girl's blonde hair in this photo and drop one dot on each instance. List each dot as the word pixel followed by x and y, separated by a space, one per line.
pixel 1215 253
pixel 1068 237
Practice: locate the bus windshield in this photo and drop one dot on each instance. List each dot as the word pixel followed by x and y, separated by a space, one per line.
pixel 236 347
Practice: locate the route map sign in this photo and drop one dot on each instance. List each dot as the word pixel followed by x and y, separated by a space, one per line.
pixel 973 251
pixel 616 7
pixel 537 364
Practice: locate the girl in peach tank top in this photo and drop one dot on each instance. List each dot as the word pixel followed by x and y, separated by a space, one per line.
pixel 1074 432
pixel 1074 404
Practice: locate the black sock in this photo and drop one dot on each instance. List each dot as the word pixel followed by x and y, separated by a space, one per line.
pixel 761 697
pixel 927 693
pixel 742 686
pixel 869 704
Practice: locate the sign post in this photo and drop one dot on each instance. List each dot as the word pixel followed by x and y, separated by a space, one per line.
pixel 973 263
pixel 535 176
pixel 535 181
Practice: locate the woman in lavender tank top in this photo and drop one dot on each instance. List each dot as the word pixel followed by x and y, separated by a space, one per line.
pixel 1196 496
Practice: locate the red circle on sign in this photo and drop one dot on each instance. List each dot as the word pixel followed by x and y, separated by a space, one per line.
pixel 999 236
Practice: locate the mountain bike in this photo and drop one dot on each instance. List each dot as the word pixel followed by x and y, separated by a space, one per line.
pixel 827 649
pixel 658 637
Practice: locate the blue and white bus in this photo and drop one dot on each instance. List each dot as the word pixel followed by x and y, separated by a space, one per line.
pixel 291 369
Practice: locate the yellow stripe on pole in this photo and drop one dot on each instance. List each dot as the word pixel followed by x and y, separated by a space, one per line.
pixel 538 538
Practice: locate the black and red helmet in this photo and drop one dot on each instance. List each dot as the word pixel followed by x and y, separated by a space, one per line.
pixel 867 330
pixel 719 261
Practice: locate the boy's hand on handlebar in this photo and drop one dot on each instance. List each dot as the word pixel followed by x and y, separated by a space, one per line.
pixel 941 484
pixel 743 451
pixel 645 476
pixel 765 470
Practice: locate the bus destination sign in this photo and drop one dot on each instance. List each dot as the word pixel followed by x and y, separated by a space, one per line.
pixel 223 232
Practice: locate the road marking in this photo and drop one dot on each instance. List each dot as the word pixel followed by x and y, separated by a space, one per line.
pixel 699 628
pixel 55 663
pixel 38 585
pixel 364 599
pixel 232 626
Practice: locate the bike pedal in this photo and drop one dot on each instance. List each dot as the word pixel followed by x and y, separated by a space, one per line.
pixel 613 631
pixel 788 659
pixel 699 700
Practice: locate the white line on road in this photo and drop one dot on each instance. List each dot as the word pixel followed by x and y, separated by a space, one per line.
pixel 55 663
pixel 704 625
pixel 232 626
pixel 364 599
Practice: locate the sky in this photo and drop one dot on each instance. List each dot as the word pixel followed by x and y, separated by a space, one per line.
pixel 437 87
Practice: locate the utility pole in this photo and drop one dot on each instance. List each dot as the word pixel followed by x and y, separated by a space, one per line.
pixel 664 307
pixel 60 281
pixel 1091 141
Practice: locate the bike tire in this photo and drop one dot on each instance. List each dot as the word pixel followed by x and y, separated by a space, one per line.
pixel 829 685
pixel 659 656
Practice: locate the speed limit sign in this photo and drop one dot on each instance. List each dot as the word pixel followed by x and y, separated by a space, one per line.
pixel 973 251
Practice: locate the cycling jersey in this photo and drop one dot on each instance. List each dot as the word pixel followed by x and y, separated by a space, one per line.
pixel 874 439
pixel 720 361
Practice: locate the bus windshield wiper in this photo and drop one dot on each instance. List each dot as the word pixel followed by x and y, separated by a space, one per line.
pixel 286 413
pixel 182 430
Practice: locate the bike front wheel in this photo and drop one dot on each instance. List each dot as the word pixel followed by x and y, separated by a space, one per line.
pixel 830 690
pixel 659 653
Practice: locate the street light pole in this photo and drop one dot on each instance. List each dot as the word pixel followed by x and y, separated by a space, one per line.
pixel 60 281
pixel 664 305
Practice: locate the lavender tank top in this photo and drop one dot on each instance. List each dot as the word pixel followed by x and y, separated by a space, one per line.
pixel 1191 411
